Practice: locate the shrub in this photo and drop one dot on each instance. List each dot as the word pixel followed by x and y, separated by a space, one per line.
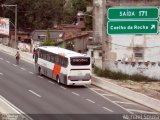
pixel 48 41
pixel 121 76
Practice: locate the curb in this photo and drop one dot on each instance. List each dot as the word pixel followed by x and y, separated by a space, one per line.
pixel 9 111
pixel 126 93
pixel 102 83
pixel 6 107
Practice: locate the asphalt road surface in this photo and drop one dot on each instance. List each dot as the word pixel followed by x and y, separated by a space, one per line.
pixel 43 99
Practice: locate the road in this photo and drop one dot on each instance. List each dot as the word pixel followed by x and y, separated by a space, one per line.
pixel 42 98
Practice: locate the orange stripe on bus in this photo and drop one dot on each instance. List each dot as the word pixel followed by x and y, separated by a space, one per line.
pixel 56 70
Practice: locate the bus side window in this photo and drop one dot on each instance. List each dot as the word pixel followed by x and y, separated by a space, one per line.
pixel 44 55
pixel 65 62
pixel 56 59
pixel 60 61
pixel 52 57
pixel 40 54
pixel 48 57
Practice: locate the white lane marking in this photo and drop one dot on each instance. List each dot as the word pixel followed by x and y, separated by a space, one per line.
pixel 75 93
pixel 1 74
pixel 31 72
pixel 7 61
pixel 90 100
pixel 14 65
pixel 23 69
pixel 1 58
pixel 40 77
pixel 111 101
pixel 35 93
pixel 20 112
pixel 124 102
pixel 141 111
pixel 63 87
pixel 51 82
pixel 99 90
pixel 107 95
pixel 107 109
pixel 95 88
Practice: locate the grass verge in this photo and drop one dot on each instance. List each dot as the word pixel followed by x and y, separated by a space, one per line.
pixel 121 76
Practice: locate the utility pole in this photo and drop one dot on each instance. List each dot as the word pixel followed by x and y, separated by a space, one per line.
pixel 104 46
pixel 99 26
pixel 15 24
pixel 15 27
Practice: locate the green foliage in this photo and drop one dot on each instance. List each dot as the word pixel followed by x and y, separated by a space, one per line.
pixel 48 41
pixel 88 20
pixel 121 76
pixel 71 9
pixel 36 14
pixel 79 5
pixel 42 14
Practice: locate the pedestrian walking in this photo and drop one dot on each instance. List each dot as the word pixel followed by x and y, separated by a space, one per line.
pixel 17 57
pixel 34 52
pixel 36 56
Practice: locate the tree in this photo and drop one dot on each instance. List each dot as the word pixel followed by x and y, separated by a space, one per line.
pixel 79 5
pixel 48 41
pixel 1 9
pixel 42 14
pixel 88 18
pixel 71 9
pixel 37 14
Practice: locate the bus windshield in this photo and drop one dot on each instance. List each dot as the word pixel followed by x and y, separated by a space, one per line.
pixel 80 61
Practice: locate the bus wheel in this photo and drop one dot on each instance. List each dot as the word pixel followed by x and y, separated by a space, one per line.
pixel 58 80
pixel 39 71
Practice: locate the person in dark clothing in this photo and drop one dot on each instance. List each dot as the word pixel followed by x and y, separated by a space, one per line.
pixel 34 51
pixel 17 57
pixel 36 56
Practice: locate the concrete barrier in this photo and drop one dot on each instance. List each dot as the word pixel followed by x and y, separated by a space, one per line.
pixel 102 83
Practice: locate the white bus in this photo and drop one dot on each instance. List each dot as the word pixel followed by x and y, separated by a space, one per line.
pixel 64 66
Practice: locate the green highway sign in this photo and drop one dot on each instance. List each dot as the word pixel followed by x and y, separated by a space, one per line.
pixel 132 27
pixel 132 13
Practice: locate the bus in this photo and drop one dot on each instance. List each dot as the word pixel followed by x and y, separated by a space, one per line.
pixel 64 66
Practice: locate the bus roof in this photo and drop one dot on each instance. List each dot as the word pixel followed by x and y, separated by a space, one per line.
pixel 62 51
